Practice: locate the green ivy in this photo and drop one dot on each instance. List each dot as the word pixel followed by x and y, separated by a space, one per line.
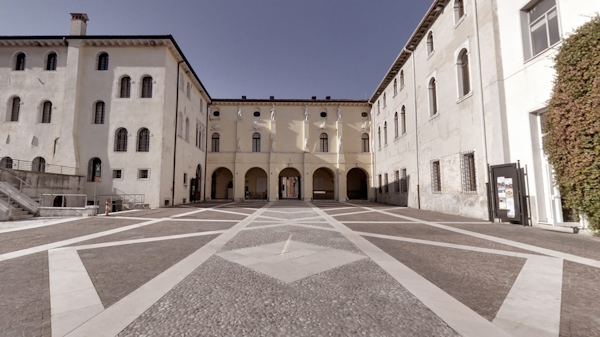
pixel 572 123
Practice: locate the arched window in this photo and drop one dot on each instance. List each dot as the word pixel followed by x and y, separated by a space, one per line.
pixel 215 146
pixel 384 100
pixel 464 82
pixel 39 165
pixel 401 79
pixel 14 111
pixel 379 136
pixel 187 129
pixel 147 87
pixel 378 108
pixel 103 61
pixel 94 169
pixel 143 141
pixel 197 135
pixel 433 108
pixel 51 61
pixel 256 142
pixel 403 120
pixel 395 86
pixel 396 125
pixel 180 125
pixel 121 140
pixel 47 112
pixel 6 163
pixel 430 46
pixel 188 90
pixel 365 143
pixel 324 142
pixel 125 87
pixel 385 133
pixel 99 112
pixel 20 62
pixel 459 10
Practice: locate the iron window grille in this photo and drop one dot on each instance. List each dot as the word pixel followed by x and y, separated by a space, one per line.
pixel 143 140
pixel 403 181
pixel 397 181
pixel 103 61
pixel 126 87
pixel 20 62
pixel 143 174
pixel 39 165
pixel 436 177
pixel 47 112
pixel 147 87
pixel 99 113
pixel 468 173
pixel 16 107
pixel 6 163
pixel 121 140
pixel 117 174
pixel 51 62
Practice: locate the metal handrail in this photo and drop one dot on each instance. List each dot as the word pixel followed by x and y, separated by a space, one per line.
pixel 53 195
pixel 24 165
pixel 131 199
pixel 21 181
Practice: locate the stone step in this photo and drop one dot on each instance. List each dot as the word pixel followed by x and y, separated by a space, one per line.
pixel 22 217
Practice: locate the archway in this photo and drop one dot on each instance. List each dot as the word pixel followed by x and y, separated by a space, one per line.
pixel 256 184
pixel 222 184
pixel 290 186
pixel 356 184
pixel 196 185
pixel 323 185
pixel 59 201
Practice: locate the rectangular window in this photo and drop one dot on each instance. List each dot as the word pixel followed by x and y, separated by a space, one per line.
pixel 380 184
pixel 467 169
pixel 117 174
pixel 542 31
pixel 143 174
pixel 167 202
pixel 386 182
pixel 436 177
pixel 396 181
pixel 185 179
pixel 215 144
pixel 403 181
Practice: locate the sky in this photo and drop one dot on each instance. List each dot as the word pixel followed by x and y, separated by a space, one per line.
pixel 257 48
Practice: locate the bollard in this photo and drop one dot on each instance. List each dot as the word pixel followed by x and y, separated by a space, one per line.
pixel 107 207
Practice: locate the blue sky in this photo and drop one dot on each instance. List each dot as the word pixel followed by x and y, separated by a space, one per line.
pixel 257 48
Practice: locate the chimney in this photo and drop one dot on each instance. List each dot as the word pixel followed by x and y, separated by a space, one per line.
pixel 78 23
pixel 243 97
pixel 328 97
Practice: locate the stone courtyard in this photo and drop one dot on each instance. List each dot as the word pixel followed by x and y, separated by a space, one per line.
pixel 294 268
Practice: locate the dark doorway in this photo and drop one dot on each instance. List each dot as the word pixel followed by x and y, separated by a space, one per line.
pixel 222 184
pixel 356 184
pixel 323 184
pixel 290 184
pixel 59 201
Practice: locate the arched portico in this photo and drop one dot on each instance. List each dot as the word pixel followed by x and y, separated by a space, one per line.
pixel 357 184
pixel 323 184
pixel 290 184
pixel 256 184
pixel 222 184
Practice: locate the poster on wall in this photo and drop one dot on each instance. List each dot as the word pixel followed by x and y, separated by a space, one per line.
pixel 510 197
pixel 501 184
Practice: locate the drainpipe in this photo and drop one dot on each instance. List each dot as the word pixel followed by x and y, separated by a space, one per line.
pixel 206 147
pixel 175 138
pixel 412 55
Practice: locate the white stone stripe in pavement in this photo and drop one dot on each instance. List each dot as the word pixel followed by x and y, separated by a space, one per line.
pixel 46 222
pixel 532 307
pixel 457 315
pixel 545 251
pixel 118 316
pixel 178 220
pixel 202 210
pixel 350 213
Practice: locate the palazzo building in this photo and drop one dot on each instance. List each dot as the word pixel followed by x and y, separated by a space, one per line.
pixel 467 90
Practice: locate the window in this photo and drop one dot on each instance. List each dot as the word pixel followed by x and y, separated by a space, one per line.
pixel 147 87
pixel 543 31
pixel 364 115
pixel 180 125
pixel 324 142
pixel 6 163
pixel 20 62
pixel 401 79
pixel 378 107
pixel 464 82
pixel 185 181
pixel 94 169
pixel 385 133
pixel 187 129
pixel 46 112
pixel 143 142
pixel 51 61
pixel 197 135
pixel 14 111
pixel 117 174
pixel 215 143
pixel 256 142
pixel 365 143
pixel 38 165
pixel 187 93
pixel 433 108
pixel 125 87
pixel 459 10
pixel 143 173
pixel 430 46
pixel 256 113
pixel 380 184
pixel 396 125
pixel 403 181
pixel 216 113
pixel 436 178
pixel 99 113
pixel 103 61
pixel 384 100
pixel 379 136
pixel 181 81
pixel 385 186
pixel 397 181
pixel 323 114
pixel 395 86
pixel 467 168
pixel 121 140
pixel 403 119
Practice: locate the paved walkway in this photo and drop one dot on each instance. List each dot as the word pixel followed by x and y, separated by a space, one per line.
pixel 292 268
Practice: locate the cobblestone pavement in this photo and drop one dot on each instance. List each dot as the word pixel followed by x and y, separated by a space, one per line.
pixel 343 269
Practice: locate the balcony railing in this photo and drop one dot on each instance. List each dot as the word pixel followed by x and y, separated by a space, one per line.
pixel 36 166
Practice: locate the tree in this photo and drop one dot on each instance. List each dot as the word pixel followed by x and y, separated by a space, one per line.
pixel 572 123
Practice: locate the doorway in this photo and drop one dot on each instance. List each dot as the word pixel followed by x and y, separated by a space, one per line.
pixel 290 186
pixel 356 184
pixel 222 184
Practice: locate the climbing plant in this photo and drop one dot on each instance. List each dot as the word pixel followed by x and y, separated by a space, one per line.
pixel 572 122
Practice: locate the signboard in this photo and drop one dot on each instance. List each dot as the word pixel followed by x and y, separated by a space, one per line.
pixel 97 172
pixel 507 194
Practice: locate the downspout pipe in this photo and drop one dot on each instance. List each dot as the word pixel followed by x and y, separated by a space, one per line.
pixel 206 148
pixel 175 135
pixel 412 55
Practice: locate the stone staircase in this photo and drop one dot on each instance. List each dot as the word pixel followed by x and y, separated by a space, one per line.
pixel 17 212
pixel 15 205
